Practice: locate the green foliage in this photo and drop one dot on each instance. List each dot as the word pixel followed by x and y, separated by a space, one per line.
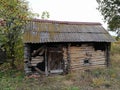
pixel 3 39
pixel 110 9
pixel 45 15
pixel 9 79
pixel 14 15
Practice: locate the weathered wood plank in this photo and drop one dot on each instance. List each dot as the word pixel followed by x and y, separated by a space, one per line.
pixel 98 62
pixel 46 63
pixel 88 67
pixel 56 71
pixel 85 68
pixel 97 59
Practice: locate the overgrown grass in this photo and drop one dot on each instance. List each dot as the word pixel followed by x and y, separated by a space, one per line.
pixel 97 79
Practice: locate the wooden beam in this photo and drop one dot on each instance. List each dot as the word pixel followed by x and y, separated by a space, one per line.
pixel 56 71
pixel 35 52
pixel 68 57
pixel 46 63
pixel 27 59
pixel 108 54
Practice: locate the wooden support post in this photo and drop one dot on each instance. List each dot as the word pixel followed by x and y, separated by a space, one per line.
pixel 27 59
pixel 46 63
pixel 108 54
pixel 49 60
pixel 68 58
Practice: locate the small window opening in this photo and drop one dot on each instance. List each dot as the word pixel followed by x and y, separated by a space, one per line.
pixel 86 61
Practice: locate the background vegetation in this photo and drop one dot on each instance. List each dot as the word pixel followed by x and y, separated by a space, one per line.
pixel 110 9
pixel 97 79
pixel 14 14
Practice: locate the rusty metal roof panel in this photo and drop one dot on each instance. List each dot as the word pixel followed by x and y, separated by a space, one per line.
pixel 56 31
pixel 72 37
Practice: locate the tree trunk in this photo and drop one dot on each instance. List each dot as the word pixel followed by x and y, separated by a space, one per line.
pixel 12 55
pixel 13 63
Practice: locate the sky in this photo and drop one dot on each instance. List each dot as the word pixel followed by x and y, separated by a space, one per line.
pixel 69 10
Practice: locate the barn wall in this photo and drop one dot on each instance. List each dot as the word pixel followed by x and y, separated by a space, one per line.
pixel 85 57
pixel 75 56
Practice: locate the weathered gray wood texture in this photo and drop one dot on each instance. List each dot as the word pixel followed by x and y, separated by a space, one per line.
pixel 95 58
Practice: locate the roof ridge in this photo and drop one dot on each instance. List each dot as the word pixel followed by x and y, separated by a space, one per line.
pixel 66 22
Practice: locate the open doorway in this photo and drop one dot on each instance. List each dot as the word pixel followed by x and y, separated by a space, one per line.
pixel 38 58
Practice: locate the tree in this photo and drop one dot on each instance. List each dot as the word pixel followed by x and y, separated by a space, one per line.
pixel 110 9
pixel 15 14
pixel 45 15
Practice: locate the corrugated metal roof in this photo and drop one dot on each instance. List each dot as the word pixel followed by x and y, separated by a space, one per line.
pixel 43 31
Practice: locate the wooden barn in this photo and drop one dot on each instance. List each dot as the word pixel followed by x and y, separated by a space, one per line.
pixel 58 47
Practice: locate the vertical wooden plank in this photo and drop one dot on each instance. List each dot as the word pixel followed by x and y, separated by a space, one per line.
pixel 68 57
pixel 27 59
pixel 65 62
pixel 49 59
pixel 108 54
pixel 46 62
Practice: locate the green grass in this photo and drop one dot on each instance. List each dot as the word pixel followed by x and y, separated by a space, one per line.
pixel 97 79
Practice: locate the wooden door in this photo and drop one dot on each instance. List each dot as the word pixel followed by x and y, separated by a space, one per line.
pixel 55 60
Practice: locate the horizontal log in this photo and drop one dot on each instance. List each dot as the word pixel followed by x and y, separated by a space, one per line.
pixel 56 71
pixel 76 64
pixel 102 58
pixel 81 48
pixel 76 61
pixel 83 57
pixel 33 64
pixel 88 50
pixel 98 62
pixel 80 53
pixel 98 59
pixel 36 60
pixel 83 53
pixel 87 67
pixel 95 55
pixel 79 64
pixel 76 55
pixel 37 57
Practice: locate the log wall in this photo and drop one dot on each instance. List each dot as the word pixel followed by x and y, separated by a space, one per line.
pixel 75 57
pixel 85 57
